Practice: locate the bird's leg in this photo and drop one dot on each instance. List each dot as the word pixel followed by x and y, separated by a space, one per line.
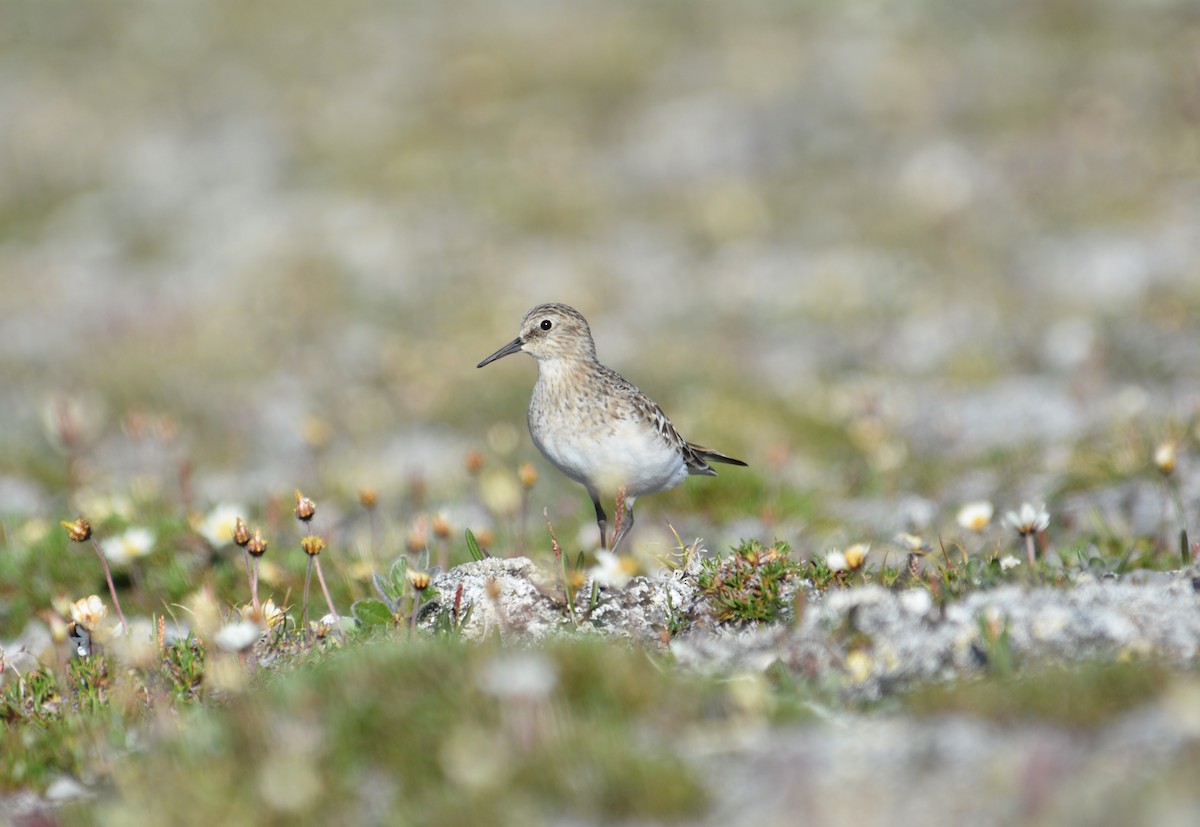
pixel 624 518
pixel 601 520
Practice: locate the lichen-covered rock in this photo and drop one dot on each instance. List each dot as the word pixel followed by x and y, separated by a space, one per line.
pixel 865 641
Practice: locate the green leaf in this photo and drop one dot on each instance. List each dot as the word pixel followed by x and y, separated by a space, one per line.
pixel 399 575
pixel 371 612
pixel 384 590
pixel 477 553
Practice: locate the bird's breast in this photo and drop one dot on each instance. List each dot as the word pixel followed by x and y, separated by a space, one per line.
pixel 594 442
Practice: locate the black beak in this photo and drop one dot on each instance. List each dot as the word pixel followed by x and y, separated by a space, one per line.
pixel 512 347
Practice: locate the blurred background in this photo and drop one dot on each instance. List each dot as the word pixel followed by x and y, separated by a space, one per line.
pixel 896 256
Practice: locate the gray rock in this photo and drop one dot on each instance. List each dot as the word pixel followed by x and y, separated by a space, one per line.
pixel 866 642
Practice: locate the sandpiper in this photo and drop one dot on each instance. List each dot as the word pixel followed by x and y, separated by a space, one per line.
pixel 595 426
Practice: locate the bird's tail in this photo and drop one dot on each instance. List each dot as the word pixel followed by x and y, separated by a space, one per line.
pixel 707 455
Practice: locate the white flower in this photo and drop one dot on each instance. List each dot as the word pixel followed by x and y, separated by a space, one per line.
pixel 1008 562
pixel 911 543
pixel 859 665
pixel 976 516
pixel 836 561
pixel 133 543
pixel 856 555
pixel 269 614
pixel 217 527
pixel 1165 457
pixel 89 612
pixel 238 636
pixel 1029 520
pixel 612 570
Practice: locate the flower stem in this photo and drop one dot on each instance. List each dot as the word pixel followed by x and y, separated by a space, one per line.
pixel 112 589
pixel 562 566
pixel 325 590
pixel 1176 501
pixel 254 587
pixel 1030 549
pixel 307 581
pixel 250 567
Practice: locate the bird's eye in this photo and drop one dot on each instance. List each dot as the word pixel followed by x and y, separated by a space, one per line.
pixel 547 324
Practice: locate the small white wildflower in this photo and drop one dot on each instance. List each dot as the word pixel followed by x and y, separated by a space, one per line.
pixel 238 636
pixel 1165 457
pixel 218 526
pixel 612 570
pixel 856 555
pixel 1008 562
pixel 272 614
pixel 911 543
pixel 976 516
pixel 269 614
pixel 836 561
pixel 134 542
pixel 88 612
pixel 1028 520
pixel 859 666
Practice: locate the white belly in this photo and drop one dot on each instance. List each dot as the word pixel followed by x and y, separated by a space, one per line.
pixel 625 454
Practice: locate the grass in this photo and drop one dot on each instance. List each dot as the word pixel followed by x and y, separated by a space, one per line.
pixel 436 732
pixel 1081 697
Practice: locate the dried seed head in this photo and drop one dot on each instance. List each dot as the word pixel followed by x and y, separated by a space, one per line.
pixel 369 497
pixel 418 579
pixel 417 540
pixel 312 545
pixel 474 461
pixel 527 475
pixel 441 526
pixel 241 534
pixel 79 530
pixel 256 545
pixel 305 508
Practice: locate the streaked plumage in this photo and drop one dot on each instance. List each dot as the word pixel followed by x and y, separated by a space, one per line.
pixel 593 425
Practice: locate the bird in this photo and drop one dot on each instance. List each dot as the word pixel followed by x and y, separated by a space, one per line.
pixel 595 426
